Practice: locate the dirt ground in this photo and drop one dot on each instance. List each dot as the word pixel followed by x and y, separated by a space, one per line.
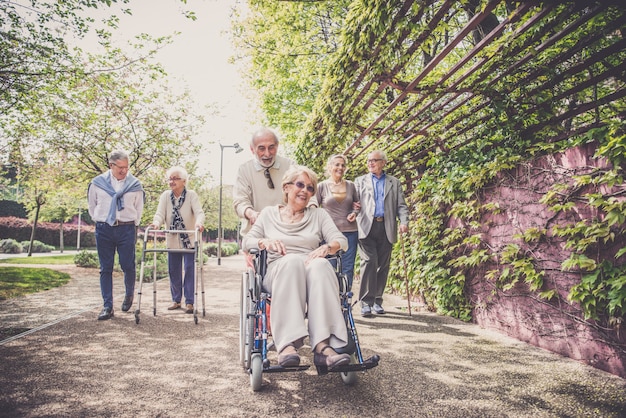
pixel 63 362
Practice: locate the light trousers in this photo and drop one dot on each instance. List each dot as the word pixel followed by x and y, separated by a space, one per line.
pixel 302 291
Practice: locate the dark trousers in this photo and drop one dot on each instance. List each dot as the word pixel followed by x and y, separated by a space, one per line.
pixel 176 261
pixel 109 239
pixel 347 259
pixel 375 253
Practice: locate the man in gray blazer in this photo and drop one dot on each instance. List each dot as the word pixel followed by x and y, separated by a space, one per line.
pixel 382 205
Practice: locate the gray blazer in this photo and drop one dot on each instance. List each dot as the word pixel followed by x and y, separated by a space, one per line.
pixel 395 206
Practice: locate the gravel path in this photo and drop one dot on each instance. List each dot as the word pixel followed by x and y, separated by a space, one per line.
pixel 66 363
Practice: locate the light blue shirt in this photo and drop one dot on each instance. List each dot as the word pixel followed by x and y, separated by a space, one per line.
pixel 379 194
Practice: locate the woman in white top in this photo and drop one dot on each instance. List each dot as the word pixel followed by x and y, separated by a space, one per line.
pixel 180 209
pixel 300 279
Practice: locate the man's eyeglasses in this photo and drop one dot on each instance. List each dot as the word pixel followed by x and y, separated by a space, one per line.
pixel 301 185
pixel 120 167
pixel 174 179
pixel 374 160
pixel 270 183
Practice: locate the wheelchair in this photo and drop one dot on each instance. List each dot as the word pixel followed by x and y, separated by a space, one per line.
pixel 255 332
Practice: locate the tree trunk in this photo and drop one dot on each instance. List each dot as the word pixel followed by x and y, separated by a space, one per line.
pixel 39 200
pixel 32 233
pixel 61 237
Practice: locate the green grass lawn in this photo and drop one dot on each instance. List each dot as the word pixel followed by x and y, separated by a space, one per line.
pixel 18 281
pixel 47 259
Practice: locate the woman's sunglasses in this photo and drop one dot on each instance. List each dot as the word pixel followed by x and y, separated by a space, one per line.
pixel 301 185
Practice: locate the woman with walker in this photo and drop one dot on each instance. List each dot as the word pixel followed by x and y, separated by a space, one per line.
pixel 180 209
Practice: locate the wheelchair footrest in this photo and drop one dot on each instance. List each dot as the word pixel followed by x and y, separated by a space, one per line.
pixel 281 369
pixel 370 363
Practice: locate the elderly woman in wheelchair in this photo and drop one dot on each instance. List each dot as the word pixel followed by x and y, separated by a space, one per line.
pixel 303 285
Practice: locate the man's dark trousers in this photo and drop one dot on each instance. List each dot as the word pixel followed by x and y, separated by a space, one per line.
pixel 109 239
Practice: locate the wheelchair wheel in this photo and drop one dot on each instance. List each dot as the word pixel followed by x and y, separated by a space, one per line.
pixel 242 319
pixel 256 372
pixel 246 322
pixel 350 378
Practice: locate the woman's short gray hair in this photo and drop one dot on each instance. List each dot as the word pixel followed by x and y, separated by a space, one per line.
pixel 182 173
pixel 292 174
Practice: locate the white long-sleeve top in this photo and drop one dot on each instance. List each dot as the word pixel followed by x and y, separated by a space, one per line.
pixel 191 211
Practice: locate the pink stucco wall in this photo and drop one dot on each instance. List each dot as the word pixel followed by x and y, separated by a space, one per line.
pixel 555 325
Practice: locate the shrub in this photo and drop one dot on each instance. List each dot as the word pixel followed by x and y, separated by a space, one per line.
pixel 38 247
pixel 12 208
pixel 161 266
pixel 10 246
pixel 210 249
pixel 86 258
pixel 228 249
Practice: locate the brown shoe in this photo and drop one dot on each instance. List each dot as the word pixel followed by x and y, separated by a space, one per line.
pixel 173 306
pixel 288 357
pixel 331 360
pixel 189 308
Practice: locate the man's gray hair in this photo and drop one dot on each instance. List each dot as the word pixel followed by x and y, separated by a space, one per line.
pixel 381 154
pixel 118 155
pixel 263 132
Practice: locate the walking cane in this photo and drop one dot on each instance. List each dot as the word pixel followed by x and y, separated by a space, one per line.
pixel 406 276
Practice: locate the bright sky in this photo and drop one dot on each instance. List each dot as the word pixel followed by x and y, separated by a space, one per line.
pixel 199 58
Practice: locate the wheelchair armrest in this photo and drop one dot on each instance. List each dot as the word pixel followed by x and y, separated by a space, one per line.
pixel 337 255
pixel 260 262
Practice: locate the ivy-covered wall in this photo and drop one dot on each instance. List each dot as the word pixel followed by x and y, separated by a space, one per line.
pixel 533 286
pixel 489 112
pixel 537 252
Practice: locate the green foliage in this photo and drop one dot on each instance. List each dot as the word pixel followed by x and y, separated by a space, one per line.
pixel 10 246
pixel 602 291
pixel 19 281
pixel 289 44
pixel 12 208
pixel 47 232
pixel 34 48
pixel 87 259
pixel 61 259
pixel 38 247
pixel 210 205
pixel 80 107
pixel 521 267
pixel 152 260
pixel 545 84
pixel 228 249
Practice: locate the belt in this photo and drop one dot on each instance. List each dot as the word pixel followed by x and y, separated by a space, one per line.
pixel 120 223
pixel 379 218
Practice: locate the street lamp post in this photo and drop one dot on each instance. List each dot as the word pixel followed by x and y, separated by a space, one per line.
pixel 78 236
pixel 220 233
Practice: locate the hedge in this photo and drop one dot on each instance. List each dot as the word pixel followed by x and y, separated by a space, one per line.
pixel 47 232
pixel 12 208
